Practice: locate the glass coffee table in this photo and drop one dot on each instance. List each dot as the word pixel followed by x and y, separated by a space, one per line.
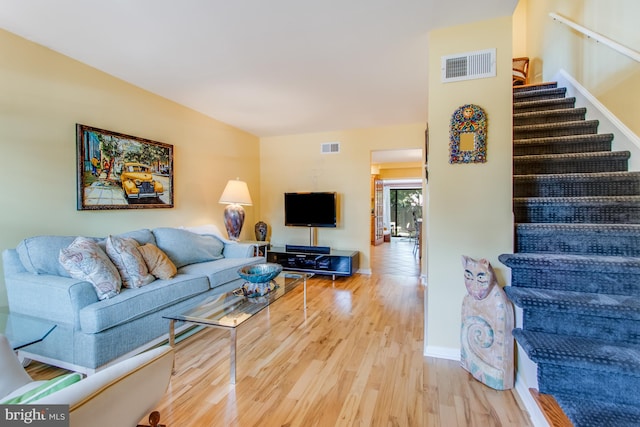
pixel 232 309
pixel 22 330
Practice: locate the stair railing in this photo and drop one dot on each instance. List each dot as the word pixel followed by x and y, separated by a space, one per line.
pixel 633 54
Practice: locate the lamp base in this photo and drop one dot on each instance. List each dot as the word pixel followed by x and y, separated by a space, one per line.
pixel 233 220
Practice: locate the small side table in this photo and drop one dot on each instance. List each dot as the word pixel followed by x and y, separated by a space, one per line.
pixel 260 247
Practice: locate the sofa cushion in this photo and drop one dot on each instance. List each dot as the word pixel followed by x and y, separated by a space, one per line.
pixel 39 254
pixel 221 271
pixel 123 251
pixel 85 260
pixel 134 303
pixel 157 261
pixel 184 247
pixel 142 236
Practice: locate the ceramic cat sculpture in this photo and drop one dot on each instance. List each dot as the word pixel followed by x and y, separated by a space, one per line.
pixel 487 321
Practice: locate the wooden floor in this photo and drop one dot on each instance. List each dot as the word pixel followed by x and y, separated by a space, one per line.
pixel 354 357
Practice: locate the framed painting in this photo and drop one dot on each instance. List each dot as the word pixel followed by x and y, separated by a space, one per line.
pixel 117 171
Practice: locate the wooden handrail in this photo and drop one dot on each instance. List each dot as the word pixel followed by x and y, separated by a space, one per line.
pixel 633 54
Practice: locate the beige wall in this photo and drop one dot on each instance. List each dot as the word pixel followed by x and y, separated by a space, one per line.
pixel 295 163
pixel 396 171
pixel 612 78
pixel 469 205
pixel 44 94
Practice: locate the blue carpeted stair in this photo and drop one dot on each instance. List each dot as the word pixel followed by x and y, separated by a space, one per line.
pixel 576 270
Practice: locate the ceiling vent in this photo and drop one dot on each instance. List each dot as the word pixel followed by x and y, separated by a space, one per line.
pixel 330 147
pixel 468 66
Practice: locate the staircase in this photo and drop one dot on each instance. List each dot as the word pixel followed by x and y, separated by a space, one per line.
pixel 576 270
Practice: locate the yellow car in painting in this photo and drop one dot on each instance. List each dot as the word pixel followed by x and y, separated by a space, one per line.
pixel 137 181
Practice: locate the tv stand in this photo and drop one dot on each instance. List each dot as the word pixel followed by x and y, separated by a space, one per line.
pixel 334 263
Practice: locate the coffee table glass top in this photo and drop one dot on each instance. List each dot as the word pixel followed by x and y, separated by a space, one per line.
pixel 231 309
pixel 22 330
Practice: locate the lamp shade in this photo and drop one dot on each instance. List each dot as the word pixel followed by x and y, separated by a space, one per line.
pixel 236 192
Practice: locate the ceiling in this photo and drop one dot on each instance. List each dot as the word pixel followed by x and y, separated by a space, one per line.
pixel 270 68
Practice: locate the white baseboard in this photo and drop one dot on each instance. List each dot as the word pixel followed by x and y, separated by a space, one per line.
pixel 442 352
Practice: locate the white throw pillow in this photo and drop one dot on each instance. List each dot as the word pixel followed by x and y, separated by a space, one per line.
pixel 85 260
pixel 124 253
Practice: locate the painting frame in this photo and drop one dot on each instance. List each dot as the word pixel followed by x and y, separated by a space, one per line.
pixel 119 171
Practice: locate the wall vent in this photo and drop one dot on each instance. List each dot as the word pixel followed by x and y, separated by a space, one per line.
pixel 468 66
pixel 330 147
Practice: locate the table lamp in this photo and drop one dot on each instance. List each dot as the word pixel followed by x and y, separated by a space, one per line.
pixel 235 194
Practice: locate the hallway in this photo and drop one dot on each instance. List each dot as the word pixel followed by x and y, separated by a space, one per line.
pixel 396 257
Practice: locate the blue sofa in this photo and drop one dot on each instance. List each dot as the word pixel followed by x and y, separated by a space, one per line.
pixel 92 333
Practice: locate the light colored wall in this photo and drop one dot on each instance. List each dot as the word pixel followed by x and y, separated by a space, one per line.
pixel 469 205
pixel 611 77
pixel 397 172
pixel 44 95
pixel 520 29
pixel 295 163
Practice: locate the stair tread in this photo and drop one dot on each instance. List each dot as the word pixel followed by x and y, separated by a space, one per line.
pixel 578 200
pixel 577 176
pixel 553 125
pixel 542 102
pixel 591 412
pixel 584 303
pixel 565 139
pixel 585 227
pixel 550 112
pixel 539 92
pixel 573 156
pixel 580 352
pixel 600 263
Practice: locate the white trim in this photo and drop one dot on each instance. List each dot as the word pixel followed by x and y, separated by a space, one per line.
pixel 535 414
pixel 625 138
pixel 442 352
pixel 366 271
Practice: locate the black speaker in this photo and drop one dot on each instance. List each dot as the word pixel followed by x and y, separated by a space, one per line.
pixel 308 249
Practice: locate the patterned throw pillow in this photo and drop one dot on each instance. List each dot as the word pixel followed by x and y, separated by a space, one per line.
pixel 85 260
pixel 124 253
pixel 157 261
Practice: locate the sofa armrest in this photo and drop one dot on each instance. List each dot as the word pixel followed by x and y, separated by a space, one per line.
pixel 238 250
pixel 119 395
pixel 55 298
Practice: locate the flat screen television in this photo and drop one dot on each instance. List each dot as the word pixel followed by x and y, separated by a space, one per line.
pixel 312 209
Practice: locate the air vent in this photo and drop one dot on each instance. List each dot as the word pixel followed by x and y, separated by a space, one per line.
pixel 468 66
pixel 330 147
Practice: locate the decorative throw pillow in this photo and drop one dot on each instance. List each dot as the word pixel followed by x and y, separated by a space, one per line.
pixel 46 388
pixel 84 260
pixel 157 261
pixel 124 253
pixel 184 247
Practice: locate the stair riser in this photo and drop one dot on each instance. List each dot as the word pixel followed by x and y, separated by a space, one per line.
pixel 536 87
pixel 587 383
pixel 556 104
pixel 548 118
pixel 569 242
pixel 531 188
pixel 557 321
pixel 561 148
pixel 538 95
pixel 621 283
pixel 532 167
pixel 596 213
pixel 543 132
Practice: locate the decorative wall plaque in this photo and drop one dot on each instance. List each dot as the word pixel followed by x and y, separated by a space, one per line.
pixel 468 135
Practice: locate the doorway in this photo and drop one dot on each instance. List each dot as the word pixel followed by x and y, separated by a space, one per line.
pixel 400 173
